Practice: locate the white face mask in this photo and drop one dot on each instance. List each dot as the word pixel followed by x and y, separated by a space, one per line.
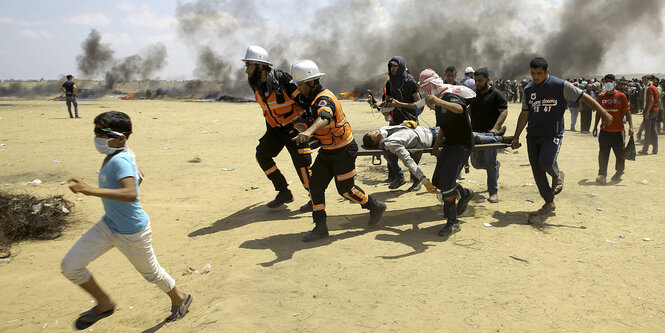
pixel 609 86
pixel 102 145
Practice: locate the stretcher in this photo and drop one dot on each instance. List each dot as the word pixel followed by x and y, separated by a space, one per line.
pixel 377 153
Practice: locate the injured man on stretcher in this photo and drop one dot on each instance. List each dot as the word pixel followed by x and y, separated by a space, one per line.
pixel 409 139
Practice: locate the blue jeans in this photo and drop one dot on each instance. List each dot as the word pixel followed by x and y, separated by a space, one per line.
pixel 487 159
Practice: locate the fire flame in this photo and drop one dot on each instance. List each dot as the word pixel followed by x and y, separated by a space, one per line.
pixel 348 95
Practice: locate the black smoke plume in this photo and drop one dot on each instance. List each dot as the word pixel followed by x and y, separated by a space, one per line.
pixel 97 58
pixel 352 40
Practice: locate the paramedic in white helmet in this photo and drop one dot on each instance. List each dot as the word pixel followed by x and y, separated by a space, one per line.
pixel 279 100
pixel 337 155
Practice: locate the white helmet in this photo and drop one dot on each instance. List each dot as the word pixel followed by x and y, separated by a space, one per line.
pixel 258 55
pixel 305 70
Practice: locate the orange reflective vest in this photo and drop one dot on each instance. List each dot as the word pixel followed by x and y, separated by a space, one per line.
pixel 279 114
pixel 337 133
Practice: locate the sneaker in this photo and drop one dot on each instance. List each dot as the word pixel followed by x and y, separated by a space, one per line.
pixel 557 183
pixel 601 179
pixel 376 212
pixel 494 198
pixel 642 152
pixel 415 187
pixel 389 180
pixel 449 229
pixel 463 202
pixel 281 198
pixel 397 183
pixel 320 231
pixel 306 208
pixel 617 177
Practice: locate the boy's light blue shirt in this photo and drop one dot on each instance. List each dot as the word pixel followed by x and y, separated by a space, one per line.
pixel 122 217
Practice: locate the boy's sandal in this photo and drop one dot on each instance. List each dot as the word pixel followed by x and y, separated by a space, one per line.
pixel 178 312
pixel 86 319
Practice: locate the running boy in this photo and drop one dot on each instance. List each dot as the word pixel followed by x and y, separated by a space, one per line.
pixel 125 225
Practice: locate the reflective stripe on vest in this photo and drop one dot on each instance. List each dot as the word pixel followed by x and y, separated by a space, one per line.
pixel 279 114
pixel 337 133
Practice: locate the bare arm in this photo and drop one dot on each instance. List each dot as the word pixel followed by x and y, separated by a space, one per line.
pixel 630 121
pixel 437 143
pixel 75 90
pixel 648 106
pixel 127 193
pixel 433 101
pixel 592 103
pixel 304 136
pixel 521 123
pixel 397 104
pixel 503 114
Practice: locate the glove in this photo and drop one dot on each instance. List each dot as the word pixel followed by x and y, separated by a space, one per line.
pixel 429 186
pixel 411 124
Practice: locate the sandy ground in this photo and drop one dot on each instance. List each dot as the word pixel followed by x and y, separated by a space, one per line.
pixel 589 268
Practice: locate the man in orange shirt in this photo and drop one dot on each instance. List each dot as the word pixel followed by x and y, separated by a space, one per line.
pixel 650 115
pixel 612 136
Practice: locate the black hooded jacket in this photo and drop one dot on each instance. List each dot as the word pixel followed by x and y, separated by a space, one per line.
pixel 401 87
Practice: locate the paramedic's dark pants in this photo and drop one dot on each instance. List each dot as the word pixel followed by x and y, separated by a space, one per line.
pixel 449 164
pixel 341 166
pixel 271 144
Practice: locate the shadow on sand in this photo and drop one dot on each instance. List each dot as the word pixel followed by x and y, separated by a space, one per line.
pixel 285 245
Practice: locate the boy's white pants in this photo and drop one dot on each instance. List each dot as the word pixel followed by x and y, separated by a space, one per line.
pixel 136 247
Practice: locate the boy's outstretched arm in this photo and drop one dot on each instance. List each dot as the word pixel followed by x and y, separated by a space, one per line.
pixel 126 194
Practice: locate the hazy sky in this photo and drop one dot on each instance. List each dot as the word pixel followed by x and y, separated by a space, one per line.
pixel 41 39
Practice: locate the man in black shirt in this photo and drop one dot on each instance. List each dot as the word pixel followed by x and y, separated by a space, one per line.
pixel 453 119
pixel 488 112
pixel 70 90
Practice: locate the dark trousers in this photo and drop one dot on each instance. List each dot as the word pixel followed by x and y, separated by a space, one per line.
pixel 650 132
pixel 342 167
pixel 71 99
pixel 585 119
pixel 449 164
pixel 543 152
pixel 613 141
pixel 271 143
pixel 394 170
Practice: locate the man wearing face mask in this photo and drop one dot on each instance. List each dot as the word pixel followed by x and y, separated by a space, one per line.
pixel 650 116
pixel 281 108
pixel 401 93
pixel 611 136
pixel 337 155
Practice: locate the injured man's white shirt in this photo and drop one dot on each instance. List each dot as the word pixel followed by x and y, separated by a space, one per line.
pixel 397 139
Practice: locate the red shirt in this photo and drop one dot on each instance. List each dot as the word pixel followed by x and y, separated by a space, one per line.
pixel 653 91
pixel 616 104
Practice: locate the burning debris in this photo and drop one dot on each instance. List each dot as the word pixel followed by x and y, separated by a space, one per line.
pixel 348 95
